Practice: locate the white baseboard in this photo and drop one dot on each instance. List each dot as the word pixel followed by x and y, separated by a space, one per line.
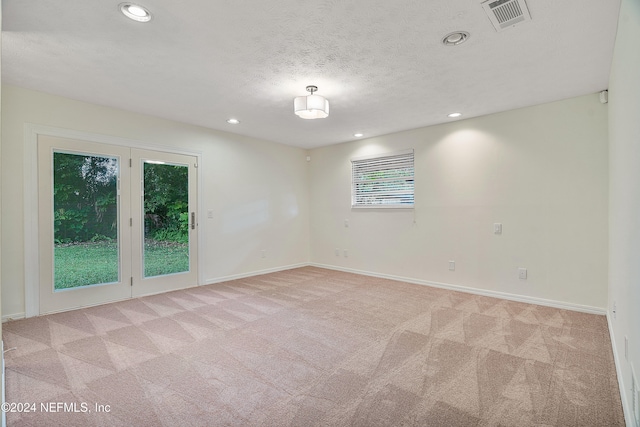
pixel 628 416
pixel 15 316
pixel 255 273
pixel 476 291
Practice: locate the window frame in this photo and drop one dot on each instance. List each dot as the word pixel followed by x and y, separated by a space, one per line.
pixel 397 156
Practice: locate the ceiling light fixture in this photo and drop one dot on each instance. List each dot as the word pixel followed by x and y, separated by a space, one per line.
pixel 233 121
pixel 311 106
pixel 454 115
pixel 455 38
pixel 135 12
pixel 358 135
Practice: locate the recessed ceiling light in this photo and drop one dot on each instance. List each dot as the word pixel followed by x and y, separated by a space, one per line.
pixel 135 12
pixel 455 38
pixel 358 135
pixel 454 115
pixel 233 121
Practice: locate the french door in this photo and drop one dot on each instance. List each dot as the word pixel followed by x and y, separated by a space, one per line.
pixel 163 210
pixel 114 222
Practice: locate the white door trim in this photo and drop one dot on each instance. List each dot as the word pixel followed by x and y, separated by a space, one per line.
pixel 30 188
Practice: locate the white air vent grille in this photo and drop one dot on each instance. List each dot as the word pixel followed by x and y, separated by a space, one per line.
pixel 506 13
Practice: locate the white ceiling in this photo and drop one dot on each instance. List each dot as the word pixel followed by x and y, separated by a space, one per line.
pixel 380 63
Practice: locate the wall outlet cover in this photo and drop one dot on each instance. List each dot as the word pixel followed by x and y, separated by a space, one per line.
pixel 522 273
pixel 497 228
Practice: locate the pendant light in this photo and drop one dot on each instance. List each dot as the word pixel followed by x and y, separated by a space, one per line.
pixel 311 106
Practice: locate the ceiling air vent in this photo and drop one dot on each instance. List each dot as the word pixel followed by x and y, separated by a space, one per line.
pixel 506 13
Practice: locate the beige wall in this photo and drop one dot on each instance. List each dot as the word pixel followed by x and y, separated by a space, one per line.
pixel 624 213
pixel 541 171
pixel 257 190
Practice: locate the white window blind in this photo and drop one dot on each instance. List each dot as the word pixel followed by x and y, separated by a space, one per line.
pixel 383 181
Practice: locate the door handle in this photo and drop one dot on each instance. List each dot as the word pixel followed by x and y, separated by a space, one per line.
pixel 193 220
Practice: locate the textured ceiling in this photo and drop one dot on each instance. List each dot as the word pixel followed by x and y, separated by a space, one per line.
pixel 380 63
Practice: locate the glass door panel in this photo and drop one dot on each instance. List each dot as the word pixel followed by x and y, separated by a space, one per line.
pixel 166 218
pixel 85 220
pixel 164 223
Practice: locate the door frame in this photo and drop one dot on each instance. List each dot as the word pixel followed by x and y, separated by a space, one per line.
pixel 31 228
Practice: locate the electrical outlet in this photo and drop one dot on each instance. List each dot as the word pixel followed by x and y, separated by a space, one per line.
pixel 522 273
pixel 337 252
pixel 263 253
pixel 497 228
pixel 346 223
pixel 452 265
pixel 346 254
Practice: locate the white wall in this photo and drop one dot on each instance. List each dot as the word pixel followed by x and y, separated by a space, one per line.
pixel 257 190
pixel 624 212
pixel 541 171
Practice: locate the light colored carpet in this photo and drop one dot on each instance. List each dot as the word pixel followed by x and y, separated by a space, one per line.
pixel 314 347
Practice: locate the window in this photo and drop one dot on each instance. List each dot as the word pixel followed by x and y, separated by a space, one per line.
pixel 383 181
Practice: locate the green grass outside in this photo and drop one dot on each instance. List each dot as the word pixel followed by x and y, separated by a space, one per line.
pixel 165 258
pixel 93 263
